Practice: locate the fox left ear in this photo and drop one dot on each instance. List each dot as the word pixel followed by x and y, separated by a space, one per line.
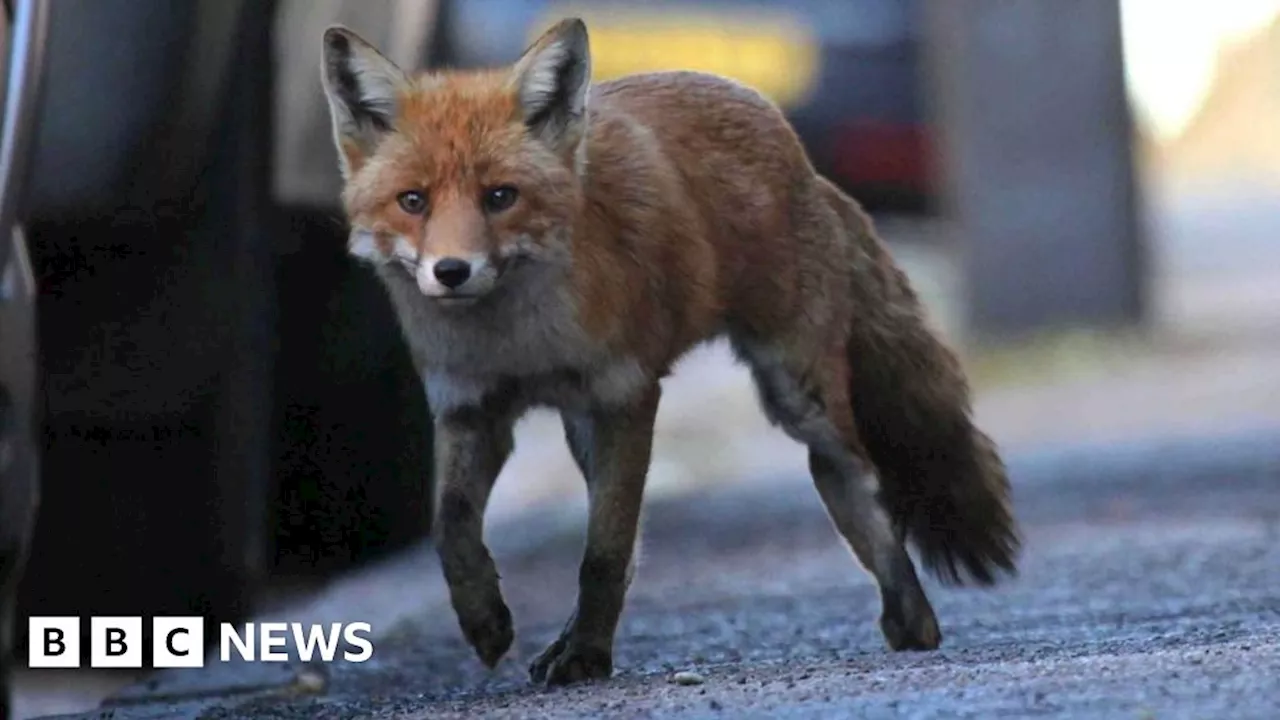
pixel 552 78
pixel 363 88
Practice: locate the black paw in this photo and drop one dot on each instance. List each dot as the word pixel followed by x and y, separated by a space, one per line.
pixel 489 629
pixel 910 628
pixel 565 662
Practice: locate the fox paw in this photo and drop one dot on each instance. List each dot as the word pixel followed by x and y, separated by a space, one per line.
pixel 910 630
pixel 565 662
pixel 489 629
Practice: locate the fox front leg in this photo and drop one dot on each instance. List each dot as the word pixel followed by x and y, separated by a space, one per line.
pixel 471 448
pixel 613 448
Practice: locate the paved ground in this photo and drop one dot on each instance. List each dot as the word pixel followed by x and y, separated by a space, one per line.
pixel 1151 588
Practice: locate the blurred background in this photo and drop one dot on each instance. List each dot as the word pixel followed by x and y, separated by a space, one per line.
pixel 1086 194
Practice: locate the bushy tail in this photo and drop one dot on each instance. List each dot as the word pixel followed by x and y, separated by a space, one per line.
pixel 942 478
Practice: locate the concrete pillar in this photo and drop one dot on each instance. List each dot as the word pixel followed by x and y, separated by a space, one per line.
pixel 1034 130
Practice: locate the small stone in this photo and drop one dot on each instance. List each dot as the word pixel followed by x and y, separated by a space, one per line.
pixel 688 677
pixel 310 681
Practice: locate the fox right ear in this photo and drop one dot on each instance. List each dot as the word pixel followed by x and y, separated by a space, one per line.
pixel 552 78
pixel 363 88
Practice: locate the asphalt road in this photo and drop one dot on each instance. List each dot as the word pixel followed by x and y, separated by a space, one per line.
pixel 1150 589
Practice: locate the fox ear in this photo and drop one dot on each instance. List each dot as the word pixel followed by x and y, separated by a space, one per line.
pixel 363 88
pixel 552 78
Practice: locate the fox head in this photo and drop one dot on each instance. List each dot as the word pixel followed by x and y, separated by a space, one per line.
pixel 460 178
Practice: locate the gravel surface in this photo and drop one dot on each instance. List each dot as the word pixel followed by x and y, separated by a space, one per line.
pixel 1150 589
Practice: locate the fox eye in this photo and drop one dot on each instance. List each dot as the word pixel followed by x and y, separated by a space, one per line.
pixel 412 202
pixel 500 198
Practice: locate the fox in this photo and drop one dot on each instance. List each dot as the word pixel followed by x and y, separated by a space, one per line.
pixel 550 241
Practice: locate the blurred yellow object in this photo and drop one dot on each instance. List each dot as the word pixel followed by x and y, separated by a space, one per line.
pixel 773 53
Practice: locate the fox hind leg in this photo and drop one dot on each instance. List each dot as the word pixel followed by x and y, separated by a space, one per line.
pixel 810 402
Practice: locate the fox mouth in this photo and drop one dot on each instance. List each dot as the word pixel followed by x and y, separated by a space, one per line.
pixel 456 299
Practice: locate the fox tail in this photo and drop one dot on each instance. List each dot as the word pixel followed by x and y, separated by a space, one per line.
pixel 942 479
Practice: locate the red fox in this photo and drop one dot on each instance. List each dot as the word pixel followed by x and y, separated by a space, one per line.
pixel 547 241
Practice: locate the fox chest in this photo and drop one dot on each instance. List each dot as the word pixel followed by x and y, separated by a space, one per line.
pixel 531 354
pixel 527 370
pixel 574 389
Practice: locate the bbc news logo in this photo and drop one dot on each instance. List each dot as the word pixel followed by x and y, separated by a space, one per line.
pixel 179 642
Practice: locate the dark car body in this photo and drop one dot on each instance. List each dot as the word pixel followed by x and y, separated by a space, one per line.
pixel 223 399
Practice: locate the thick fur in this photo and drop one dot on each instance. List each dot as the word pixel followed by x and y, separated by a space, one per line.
pixel 654 212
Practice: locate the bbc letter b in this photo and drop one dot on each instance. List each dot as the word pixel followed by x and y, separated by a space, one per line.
pixel 54 642
pixel 116 642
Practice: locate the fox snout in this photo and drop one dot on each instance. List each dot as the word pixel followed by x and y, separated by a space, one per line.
pixel 451 271
pixel 456 276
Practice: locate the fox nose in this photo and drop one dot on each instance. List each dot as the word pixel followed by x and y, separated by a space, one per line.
pixel 452 272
